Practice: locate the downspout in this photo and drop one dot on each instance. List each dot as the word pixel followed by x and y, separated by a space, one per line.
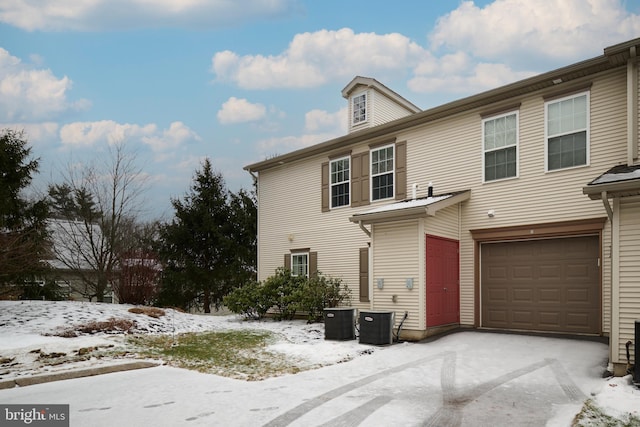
pixel 607 206
pixel 255 180
pixel 614 309
pixel 613 312
pixel 632 106
pixel 363 228
pixel 614 336
pixel 255 177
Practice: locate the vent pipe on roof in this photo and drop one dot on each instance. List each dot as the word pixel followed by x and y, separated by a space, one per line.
pixel 414 189
pixel 430 190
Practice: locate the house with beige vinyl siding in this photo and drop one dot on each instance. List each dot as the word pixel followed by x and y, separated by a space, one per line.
pixel 485 212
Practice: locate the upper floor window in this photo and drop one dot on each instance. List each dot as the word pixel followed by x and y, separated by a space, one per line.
pixel 567 131
pixel 359 108
pixel 382 172
pixel 300 264
pixel 340 182
pixel 500 145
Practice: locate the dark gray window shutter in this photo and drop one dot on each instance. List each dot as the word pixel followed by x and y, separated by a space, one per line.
pixel 287 261
pixel 364 274
pixel 325 187
pixel 313 264
pixel 401 170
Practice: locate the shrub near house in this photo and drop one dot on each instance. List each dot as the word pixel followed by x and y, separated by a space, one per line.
pixel 288 295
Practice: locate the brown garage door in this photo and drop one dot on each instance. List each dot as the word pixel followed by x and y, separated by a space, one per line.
pixel 542 285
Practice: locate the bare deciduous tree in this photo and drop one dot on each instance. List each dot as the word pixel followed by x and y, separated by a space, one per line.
pixel 93 207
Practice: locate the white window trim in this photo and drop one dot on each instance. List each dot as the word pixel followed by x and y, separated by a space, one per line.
pixel 293 254
pixel 331 184
pixel 366 108
pixel 546 131
pixel 517 145
pixel 372 176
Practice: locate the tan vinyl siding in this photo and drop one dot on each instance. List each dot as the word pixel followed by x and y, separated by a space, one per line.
pixel 629 272
pixel 289 202
pixel 445 223
pixel 449 153
pixel 386 110
pixel 396 257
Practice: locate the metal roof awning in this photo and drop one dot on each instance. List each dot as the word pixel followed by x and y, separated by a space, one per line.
pixel 411 208
pixel 619 181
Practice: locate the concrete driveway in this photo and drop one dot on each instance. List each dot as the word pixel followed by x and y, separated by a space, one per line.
pixel 462 379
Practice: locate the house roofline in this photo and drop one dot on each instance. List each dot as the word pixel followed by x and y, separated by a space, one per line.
pixel 371 82
pixel 412 212
pixel 613 57
pixel 625 188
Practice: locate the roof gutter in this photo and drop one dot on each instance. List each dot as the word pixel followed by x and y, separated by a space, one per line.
pixel 629 187
pixel 409 212
pixel 614 57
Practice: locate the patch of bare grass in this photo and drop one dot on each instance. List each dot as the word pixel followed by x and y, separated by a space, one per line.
pixel 593 416
pixel 235 354
pixel 110 326
pixel 154 312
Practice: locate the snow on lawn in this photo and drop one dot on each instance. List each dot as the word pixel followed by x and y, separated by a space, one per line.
pixel 28 341
pixel 28 344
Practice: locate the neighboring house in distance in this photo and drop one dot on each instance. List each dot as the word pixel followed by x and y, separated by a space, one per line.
pixel 525 226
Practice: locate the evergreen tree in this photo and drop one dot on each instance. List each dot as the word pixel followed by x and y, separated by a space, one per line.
pixel 245 232
pixel 67 202
pixel 23 233
pixel 204 248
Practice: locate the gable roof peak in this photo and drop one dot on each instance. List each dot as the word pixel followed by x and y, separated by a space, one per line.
pixel 373 83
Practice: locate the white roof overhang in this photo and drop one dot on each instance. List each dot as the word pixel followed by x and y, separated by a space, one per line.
pixel 410 209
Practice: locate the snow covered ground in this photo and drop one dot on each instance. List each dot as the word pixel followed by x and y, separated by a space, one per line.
pixel 28 343
pixel 28 333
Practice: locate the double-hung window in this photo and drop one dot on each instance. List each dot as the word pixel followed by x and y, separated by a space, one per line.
pixel 382 172
pixel 500 145
pixel 359 105
pixel 300 264
pixel 340 182
pixel 567 131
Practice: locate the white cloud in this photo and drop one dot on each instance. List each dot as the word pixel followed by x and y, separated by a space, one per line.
pixel 177 135
pixel 240 111
pixel 464 80
pixel 92 15
pixel 471 48
pixel 322 120
pixel 30 94
pixel 314 58
pixel 271 147
pixel 557 29
pixel 475 49
pixel 35 133
pixel 87 134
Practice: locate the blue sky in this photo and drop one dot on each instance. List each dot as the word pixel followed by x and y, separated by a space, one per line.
pixel 239 81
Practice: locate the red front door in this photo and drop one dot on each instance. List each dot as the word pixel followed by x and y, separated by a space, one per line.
pixel 443 284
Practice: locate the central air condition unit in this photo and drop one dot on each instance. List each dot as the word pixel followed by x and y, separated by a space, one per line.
pixel 339 323
pixel 376 327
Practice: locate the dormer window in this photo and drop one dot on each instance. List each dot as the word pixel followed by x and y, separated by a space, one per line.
pixel 359 108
